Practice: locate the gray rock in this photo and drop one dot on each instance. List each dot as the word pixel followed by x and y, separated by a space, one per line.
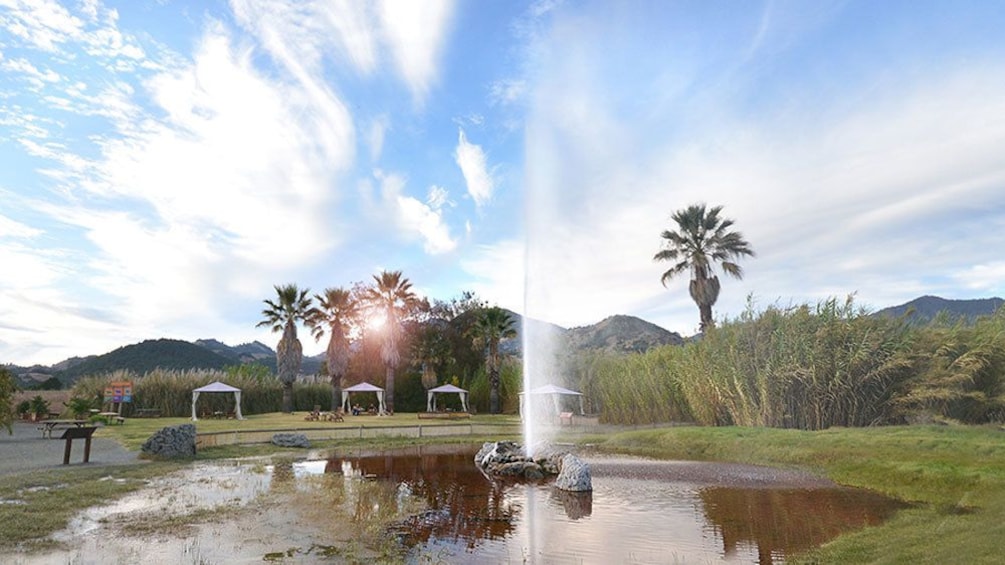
pixel 574 475
pixel 172 442
pixel 290 440
pixel 508 459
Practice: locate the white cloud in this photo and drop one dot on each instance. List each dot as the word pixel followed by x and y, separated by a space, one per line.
pixel 498 273
pixel 415 32
pixel 33 75
pixel 438 197
pixel 12 228
pixel 375 136
pixel 473 163
pixel 414 217
pixel 507 91
pixel 41 23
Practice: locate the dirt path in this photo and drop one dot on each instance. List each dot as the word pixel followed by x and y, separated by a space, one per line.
pixel 25 450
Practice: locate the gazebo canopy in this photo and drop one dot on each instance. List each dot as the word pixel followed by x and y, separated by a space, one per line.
pixel 363 387
pixel 552 389
pixel 431 396
pixel 217 386
pixel 555 392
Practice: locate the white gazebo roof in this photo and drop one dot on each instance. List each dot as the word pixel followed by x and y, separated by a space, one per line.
pixel 447 388
pixel 552 389
pixel 217 386
pixel 363 387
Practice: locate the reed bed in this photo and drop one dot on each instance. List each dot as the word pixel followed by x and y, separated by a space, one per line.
pixel 170 391
pixel 810 367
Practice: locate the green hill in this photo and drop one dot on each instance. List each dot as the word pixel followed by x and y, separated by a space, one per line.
pixel 923 309
pixel 147 356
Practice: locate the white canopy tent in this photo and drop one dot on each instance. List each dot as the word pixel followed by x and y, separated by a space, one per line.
pixel 431 396
pixel 363 387
pixel 556 393
pixel 217 386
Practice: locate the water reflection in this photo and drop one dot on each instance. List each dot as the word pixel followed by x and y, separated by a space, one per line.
pixel 644 512
pixel 781 521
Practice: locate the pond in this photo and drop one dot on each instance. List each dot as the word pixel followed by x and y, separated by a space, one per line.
pixel 431 504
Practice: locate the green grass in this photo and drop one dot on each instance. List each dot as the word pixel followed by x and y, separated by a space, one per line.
pixel 135 431
pixel 954 476
pixel 41 502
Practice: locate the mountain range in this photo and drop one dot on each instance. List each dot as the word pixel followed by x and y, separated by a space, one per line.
pixel 618 334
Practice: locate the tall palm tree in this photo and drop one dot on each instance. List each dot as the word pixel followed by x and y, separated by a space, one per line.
pixel 490 327
pixel 291 306
pixel 702 240
pixel 337 312
pixel 391 295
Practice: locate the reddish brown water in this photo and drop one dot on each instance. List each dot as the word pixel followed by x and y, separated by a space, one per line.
pixel 640 511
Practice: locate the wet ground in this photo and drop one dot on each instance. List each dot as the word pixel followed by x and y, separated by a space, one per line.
pixel 430 504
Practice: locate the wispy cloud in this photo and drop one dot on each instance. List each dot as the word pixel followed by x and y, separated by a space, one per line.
pixel 414 217
pixel 474 166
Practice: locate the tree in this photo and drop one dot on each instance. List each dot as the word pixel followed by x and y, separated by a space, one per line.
pixel 431 350
pixel 338 311
pixel 7 390
pixel 702 240
pixel 391 296
pixel 490 327
pixel 291 306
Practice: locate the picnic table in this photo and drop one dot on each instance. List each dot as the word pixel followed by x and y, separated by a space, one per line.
pixel 49 425
pixel 113 417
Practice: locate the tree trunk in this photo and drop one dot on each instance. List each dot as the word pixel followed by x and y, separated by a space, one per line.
pixel 389 389
pixel 288 397
pixel 707 322
pixel 336 393
pixel 494 391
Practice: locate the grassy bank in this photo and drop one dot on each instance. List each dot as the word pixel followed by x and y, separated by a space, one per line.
pixel 954 476
pixel 136 430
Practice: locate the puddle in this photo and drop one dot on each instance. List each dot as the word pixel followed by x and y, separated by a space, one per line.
pixel 430 504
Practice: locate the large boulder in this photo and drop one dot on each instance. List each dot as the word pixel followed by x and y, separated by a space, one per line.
pixel 290 440
pixel 574 475
pixel 172 442
pixel 508 459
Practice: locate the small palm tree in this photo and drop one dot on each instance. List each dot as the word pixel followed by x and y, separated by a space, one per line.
pixel 291 306
pixel 492 326
pixel 392 296
pixel 702 240
pixel 338 312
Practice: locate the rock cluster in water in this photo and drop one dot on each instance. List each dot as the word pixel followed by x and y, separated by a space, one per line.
pixel 171 442
pixel 508 459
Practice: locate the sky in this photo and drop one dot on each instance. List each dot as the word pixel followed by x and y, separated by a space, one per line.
pixel 164 164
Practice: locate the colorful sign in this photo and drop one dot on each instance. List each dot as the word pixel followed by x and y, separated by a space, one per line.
pixel 119 392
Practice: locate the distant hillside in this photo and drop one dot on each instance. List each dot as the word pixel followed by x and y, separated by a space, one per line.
pixel 616 334
pixel 621 334
pixel 924 309
pixel 147 356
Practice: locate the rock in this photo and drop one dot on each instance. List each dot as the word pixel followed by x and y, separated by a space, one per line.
pixel 574 475
pixel 507 459
pixel 290 440
pixel 172 442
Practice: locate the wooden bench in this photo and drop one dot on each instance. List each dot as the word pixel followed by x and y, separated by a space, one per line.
pixel 48 426
pixel 444 415
pixel 148 413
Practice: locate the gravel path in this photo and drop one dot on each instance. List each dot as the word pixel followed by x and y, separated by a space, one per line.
pixel 25 450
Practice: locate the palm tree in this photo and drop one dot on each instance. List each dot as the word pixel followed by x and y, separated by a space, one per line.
pixel 338 311
pixel 282 315
pixel 491 326
pixel 392 296
pixel 702 239
pixel 431 350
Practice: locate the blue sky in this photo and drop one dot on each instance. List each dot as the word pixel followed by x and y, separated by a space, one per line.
pixel 163 164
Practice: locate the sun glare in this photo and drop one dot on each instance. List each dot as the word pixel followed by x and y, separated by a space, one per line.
pixel 375 322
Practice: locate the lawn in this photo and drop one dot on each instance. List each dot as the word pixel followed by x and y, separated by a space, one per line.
pixel 135 431
pixel 953 476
